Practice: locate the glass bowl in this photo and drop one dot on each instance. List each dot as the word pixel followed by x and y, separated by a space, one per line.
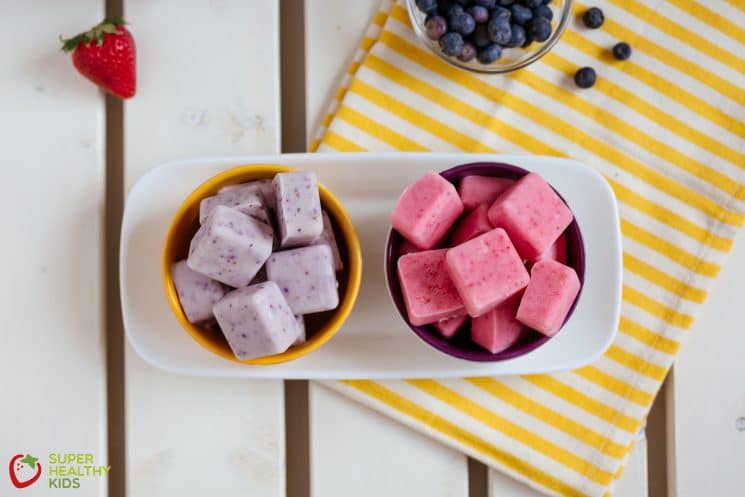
pixel 512 58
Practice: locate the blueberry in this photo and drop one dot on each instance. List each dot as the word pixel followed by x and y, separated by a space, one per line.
pixel 500 12
pixel 540 29
pixel 532 3
pixel 489 54
pixel 455 9
pixel 521 14
pixel 468 53
pixel 486 3
pixel 585 77
pixel 451 44
pixel 593 18
pixel 480 36
pixel 480 14
pixel 621 51
pixel 462 23
pixel 436 26
pixel 426 6
pixel 518 36
pixel 499 30
pixel 543 11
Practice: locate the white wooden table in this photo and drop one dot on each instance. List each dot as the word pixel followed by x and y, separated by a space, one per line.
pixel 209 84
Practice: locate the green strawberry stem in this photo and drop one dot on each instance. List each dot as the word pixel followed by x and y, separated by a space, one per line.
pixel 96 33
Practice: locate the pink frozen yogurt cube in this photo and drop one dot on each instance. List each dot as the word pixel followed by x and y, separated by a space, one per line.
pixel 448 327
pixel 428 292
pixel 498 329
pixel 426 210
pixel 532 214
pixel 477 190
pixel 474 224
pixel 550 294
pixel 486 271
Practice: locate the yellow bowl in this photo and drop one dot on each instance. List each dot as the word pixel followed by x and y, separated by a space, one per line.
pixel 320 327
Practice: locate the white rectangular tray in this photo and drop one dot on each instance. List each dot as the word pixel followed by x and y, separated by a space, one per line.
pixel 374 342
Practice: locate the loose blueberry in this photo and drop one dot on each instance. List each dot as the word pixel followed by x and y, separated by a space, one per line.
pixel 540 29
pixel 499 30
pixel 468 52
pixel 518 36
pixel 521 14
pixel 479 13
pixel 436 26
pixel 585 77
pixel 486 3
pixel 480 36
pixel 426 6
pixel 621 51
pixel 489 54
pixel 462 23
pixel 593 18
pixel 451 44
pixel 543 11
pixel 500 12
pixel 532 3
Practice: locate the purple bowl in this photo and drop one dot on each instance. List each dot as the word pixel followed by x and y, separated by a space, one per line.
pixel 461 345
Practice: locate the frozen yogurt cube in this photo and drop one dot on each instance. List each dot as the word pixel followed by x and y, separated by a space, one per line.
pixel 298 208
pixel 447 327
pixel 550 294
pixel 306 277
pixel 230 247
pixel 426 210
pixel 196 292
pixel 257 321
pixel 498 329
pixel 477 190
pixel 328 238
pixel 474 224
pixel 245 198
pixel 428 292
pixel 486 271
pixel 532 214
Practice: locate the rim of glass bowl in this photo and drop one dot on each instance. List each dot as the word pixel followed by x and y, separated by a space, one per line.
pixel 417 21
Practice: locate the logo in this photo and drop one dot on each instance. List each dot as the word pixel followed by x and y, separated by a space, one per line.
pixel 24 470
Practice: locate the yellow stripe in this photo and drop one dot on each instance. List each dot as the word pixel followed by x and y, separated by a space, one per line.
pixel 737 4
pixel 655 308
pixel 383 133
pixel 416 118
pixel 571 133
pixel 672 59
pixel 693 40
pixel 430 92
pixel 668 217
pixel 635 363
pixel 612 384
pixel 583 401
pixel 513 430
pixel 653 80
pixel 673 252
pixel 380 18
pixel 455 432
pixel 314 145
pixel 708 16
pixel 632 133
pixel 663 280
pixel 367 43
pixel 544 414
pixel 338 142
pixel 648 337
pixel 655 114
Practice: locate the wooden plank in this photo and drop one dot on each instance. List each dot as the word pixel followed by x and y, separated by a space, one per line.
pixel 633 481
pixel 355 451
pixel 706 406
pixel 389 459
pixel 52 358
pixel 208 86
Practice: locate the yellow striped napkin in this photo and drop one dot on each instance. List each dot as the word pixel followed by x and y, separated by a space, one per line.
pixel 666 128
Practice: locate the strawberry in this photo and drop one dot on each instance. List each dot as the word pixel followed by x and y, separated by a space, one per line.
pixel 106 56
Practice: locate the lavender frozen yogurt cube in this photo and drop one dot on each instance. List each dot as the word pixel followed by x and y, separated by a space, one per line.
pixel 196 292
pixel 327 238
pixel 245 198
pixel 263 186
pixel 257 321
pixel 230 247
pixel 298 208
pixel 306 277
